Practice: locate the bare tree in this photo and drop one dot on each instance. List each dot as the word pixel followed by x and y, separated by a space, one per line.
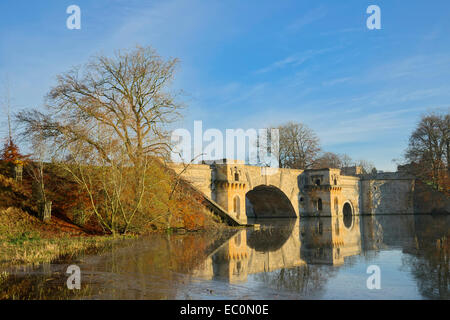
pixel 429 149
pixel 35 169
pixel 127 93
pixel 298 146
pixel 328 160
pixel 346 161
pixel 106 119
pixel 114 189
pixel 366 166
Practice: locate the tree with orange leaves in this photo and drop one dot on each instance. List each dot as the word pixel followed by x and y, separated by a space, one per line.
pixel 10 152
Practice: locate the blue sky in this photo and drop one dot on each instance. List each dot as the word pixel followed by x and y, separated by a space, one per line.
pixel 252 64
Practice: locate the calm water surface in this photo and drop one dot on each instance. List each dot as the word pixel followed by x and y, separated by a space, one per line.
pixel 310 258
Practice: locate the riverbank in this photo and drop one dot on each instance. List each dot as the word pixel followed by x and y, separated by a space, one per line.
pixel 25 240
pixel 162 258
pixel 73 228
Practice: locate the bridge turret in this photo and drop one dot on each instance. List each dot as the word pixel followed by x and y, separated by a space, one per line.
pixel 231 187
pixel 321 190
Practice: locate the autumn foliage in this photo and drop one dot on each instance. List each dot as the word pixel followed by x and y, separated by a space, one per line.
pixel 10 152
pixel 10 156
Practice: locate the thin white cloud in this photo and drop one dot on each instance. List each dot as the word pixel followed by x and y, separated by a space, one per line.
pixel 336 81
pixel 416 66
pixel 340 31
pixel 174 25
pixel 294 60
pixel 308 18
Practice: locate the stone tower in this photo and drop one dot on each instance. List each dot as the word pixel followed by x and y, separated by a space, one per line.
pixel 230 188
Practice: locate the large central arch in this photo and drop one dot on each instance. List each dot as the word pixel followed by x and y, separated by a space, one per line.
pixel 268 202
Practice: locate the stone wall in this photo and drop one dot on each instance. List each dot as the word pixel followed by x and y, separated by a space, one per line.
pixel 387 193
pixel 200 175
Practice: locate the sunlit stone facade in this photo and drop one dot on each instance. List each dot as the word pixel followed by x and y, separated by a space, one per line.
pixel 251 191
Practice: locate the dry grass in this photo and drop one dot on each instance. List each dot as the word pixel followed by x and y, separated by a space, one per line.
pixel 3 277
pixel 26 240
pixel 38 250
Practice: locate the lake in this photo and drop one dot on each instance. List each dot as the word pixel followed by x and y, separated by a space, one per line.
pixel 371 257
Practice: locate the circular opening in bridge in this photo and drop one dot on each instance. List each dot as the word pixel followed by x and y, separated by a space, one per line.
pixel 348 215
pixel 269 202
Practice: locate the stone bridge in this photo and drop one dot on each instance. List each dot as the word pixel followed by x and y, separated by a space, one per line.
pixel 262 192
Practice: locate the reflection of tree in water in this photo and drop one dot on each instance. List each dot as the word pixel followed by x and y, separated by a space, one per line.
pixel 40 287
pixel 147 268
pixel 306 280
pixel 429 262
pixel 431 271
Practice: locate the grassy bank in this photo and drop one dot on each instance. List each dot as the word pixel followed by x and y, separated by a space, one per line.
pixel 31 249
pixel 26 240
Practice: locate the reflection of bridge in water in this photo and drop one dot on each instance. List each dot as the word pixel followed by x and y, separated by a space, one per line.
pixel 282 244
pixel 289 243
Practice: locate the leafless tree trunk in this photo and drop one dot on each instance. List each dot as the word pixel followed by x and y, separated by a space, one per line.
pixel 35 169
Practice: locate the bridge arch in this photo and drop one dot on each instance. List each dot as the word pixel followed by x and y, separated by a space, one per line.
pixel 268 201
